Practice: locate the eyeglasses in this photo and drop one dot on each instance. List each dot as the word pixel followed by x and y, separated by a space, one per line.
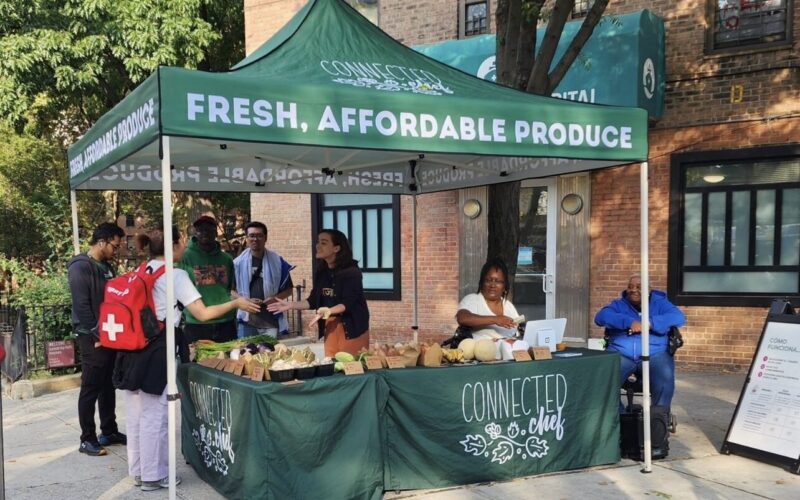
pixel 115 246
pixel 256 236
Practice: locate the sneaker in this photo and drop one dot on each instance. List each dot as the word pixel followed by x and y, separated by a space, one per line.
pixel 114 438
pixel 137 480
pixel 92 449
pixel 162 483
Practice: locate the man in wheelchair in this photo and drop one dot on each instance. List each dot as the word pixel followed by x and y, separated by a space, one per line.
pixel 622 321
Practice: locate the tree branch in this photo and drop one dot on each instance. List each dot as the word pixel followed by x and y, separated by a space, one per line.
pixel 584 33
pixel 539 80
pixel 526 42
pixel 508 15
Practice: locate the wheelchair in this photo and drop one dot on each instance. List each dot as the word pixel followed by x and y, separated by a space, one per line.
pixel 632 387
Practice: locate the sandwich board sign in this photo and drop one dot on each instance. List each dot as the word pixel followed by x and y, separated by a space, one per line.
pixel 766 423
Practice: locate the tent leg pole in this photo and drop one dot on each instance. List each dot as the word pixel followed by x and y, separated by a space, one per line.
pixel 645 272
pixel 166 205
pixel 415 326
pixel 73 204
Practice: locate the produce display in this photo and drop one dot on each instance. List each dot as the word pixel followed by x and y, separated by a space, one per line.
pixel 209 349
pixel 485 350
pixel 261 358
pixel 277 361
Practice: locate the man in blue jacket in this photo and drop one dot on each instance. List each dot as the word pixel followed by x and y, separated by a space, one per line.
pixel 622 319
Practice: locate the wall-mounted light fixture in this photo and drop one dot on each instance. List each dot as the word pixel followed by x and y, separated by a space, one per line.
pixel 714 179
pixel 572 203
pixel 472 208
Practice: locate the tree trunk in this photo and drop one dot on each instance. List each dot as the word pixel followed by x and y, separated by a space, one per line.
pixel 522 65
pixel 503 221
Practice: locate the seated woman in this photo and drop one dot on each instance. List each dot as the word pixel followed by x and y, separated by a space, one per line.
pixel 488 314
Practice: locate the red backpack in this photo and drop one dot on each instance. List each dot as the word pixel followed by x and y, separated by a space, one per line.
pixel 127 315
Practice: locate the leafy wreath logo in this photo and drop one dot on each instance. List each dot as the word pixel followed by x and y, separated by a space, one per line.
pixel 504 447
pixel 394 86
pixel 213 459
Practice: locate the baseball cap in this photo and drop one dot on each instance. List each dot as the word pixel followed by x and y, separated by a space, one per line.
pixel 205 219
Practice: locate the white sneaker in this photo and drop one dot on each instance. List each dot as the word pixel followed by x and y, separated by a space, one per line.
pixel 162 483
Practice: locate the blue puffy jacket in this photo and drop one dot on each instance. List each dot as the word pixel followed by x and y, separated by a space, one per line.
pixel 618 316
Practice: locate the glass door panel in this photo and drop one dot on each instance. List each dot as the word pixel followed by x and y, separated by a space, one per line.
pixel 534 285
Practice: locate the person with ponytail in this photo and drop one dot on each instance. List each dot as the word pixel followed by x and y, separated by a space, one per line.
pixel 337 295
pixel 142 375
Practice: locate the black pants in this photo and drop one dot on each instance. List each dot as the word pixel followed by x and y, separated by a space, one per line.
pixel 97 366
pixel 218 332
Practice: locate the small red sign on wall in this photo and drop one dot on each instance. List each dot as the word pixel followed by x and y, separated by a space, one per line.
pixel 60 353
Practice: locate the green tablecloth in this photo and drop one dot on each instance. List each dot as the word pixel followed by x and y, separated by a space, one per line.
pixel 461 425
pixel 320 439
pixel 354 437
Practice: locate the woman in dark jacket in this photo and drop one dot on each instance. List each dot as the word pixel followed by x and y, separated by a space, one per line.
pixel 337 296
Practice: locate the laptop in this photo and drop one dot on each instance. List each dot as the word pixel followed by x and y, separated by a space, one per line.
pixel 545 332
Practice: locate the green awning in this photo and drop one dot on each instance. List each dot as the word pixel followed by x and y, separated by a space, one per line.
pixel 621 64
pixel 333 104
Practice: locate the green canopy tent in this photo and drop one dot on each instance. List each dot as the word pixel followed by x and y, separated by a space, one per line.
pixel 331 104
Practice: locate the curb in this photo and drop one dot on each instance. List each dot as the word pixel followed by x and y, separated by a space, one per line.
pixel 26 389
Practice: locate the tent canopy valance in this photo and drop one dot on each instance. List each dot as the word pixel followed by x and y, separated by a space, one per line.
pixel 333 104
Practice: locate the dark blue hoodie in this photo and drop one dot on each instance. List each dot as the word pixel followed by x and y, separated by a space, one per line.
pixel 87 283
pixel 618 316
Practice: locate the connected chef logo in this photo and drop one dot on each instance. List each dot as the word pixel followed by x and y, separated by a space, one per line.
pixel 520 414
pixel 213 411
pixel 386 77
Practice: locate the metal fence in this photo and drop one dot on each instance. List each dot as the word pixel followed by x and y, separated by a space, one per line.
pixel 25 332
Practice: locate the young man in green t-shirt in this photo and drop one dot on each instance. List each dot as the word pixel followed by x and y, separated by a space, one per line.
pixel 211 271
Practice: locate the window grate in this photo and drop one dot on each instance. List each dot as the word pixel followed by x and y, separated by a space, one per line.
pixel 749 22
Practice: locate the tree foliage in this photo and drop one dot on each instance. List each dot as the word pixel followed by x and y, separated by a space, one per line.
pixel 66 62
pixel 34 205
pixel 517 22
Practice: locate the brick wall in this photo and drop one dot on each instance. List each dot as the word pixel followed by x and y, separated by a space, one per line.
pixel 262 18
pixel 699 115
pixel 288 217
pixel 700 84
pixel 716 337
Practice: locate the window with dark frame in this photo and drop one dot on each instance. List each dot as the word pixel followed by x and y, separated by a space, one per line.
pixel 473 17
pixel 581 8
pixel 735 227
pixel 129 220
pixel 745 23
pixel 372 225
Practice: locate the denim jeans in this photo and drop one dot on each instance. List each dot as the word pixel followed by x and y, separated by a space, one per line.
pixel 662 376
pixel 245 330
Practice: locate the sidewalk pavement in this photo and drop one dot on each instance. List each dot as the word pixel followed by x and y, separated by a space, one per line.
pixel 42 459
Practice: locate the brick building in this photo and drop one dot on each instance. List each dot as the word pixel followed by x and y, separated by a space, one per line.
pixel 724 186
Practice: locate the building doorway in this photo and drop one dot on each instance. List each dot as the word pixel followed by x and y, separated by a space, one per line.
pixel 534 287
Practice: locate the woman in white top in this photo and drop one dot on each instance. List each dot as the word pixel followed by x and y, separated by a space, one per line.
pixel 488 314
pixel 142 375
